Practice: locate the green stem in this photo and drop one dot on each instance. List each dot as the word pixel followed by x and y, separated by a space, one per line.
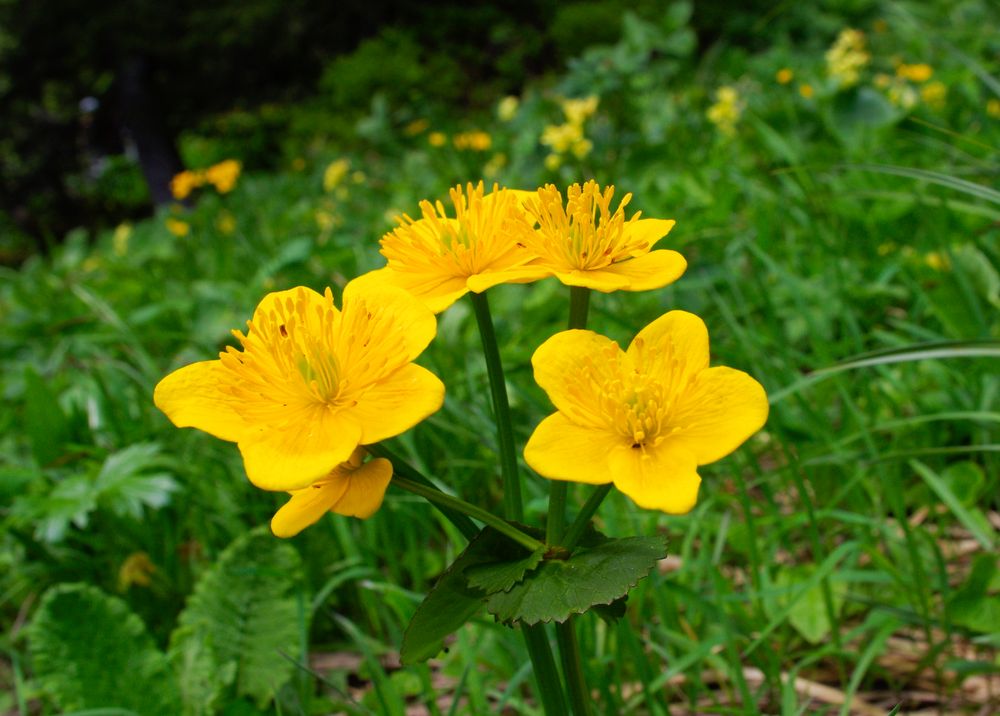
pixel 402 468
pixel 569 650
pixel 453 503
pixel 512 505
pixel 583 519
pixel 546 675
pixel 579 303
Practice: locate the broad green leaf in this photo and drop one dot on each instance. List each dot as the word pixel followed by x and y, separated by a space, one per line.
pixel 973 606
pixel 594 575
pixel 91 652
pixel 501 576
pixel 806 610
pixel 241 624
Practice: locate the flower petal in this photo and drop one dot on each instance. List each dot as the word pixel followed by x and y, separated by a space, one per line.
pixel 194 397
pixel 307 506
pixel 301 453
pixel 396 404
pixel 403 314
pixel 597 279
pixel 562 450
pixel 653 270
pixel 649 230
pixel 437 292
pixel 566 365
pixel 675 336
pixel 656 478
pixel 365 490
pixel 516 274
pixel 721 408
pixel 277 302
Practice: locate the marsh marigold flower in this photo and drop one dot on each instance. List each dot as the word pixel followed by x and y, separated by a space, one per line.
pixel 784 76
pixel 585 242
pixel 847 57
pixel 184 183
pixel 354 488
pixel 311 382
pixel 644 418
pixel 439 259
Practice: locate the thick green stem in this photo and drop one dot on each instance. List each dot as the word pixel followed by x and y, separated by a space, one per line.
pixel 546 675
pixel 583 519
pixel 453 503
pixel 579 303
pixel 513 507
pixel 569 650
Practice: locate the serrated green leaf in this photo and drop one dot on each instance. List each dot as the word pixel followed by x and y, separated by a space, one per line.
pixel 591 576
pixel 451 603
pixel 501 576
pixel 90 651
pixel 240 624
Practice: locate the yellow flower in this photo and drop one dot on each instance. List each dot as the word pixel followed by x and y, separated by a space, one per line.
pixel 902 94
pixel 934 94
pixel 312 382
pixel 784 76
pixel 577 111
pixel 119 240
pixel 582 148
pixel 177 227
pixel 476 140
pixel 137 569
pixel 937 261
pixel 806 91
pixel 184 183
pixel 847 56
pixel 993 107
pixel 553 162
pixel 494 165
pixel 223 175
pixel 508 108
pixel 354 488
pixel 334 174
pixel 416 127
pixel 726 111
pixel 915 73
pixel 643 419
pixel 561 137
pixel 437 139
pixel 586 243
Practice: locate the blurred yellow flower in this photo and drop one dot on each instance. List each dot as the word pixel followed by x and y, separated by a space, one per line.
pixel 577 111
pixel 902 94
pixel 847 57
pixel 726 111
pixel 137 569
pixel 553 162
pixel 561 137
pixel 312 382
pixel 507 108
pixel 915 73
pixel 437 139
pixel 934 94
pixel 177 227
pixel 354 488
pixel 643 419
pixel 806 91
pixel 993 107
pixel 184 183
pixel 324 219
pixel 223 175
pixel 585 242
pixel 476 140
pixel 784 76
pixel 439 259
pixel 937 261
pixel 497 162
pixel 119 239
pixel 334 174
pixel 416 127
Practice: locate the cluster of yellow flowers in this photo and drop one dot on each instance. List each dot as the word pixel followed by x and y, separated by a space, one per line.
pixel 313 384
pixel 568 137
pixel 901 91
pixel 726 111
pixel 222 176
pixel 476 140
pixel 847 57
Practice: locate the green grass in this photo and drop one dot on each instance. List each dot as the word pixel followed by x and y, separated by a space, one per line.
pixel 849 262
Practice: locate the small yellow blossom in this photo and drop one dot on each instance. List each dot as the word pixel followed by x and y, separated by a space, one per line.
pixel 184 183
pixel 177 227
pixel 577 111
pixel 137 569
pixel 934 94
pixel 507 108
pixel 585 242
pixel 726 111
pixel 324 220
pixel 644 418
pixel 312 383
pixel 784 76
pixel 497 162
pixel 476 140
pixel 119 239
pixel 416 127
pixel 847 57
pixel 806 91
pixel 902 94
pixel 437 139
pixel 937 261
pixel 223 175
pixel 915 73
pixel 439 258
pixel 334 174
pixel 225 222
pixel 582 148
pixel 993 107
pixel 561 137
pixel 553 162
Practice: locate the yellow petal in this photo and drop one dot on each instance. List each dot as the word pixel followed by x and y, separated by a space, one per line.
pixel 307 506
pixel 675 336
pixel 660 478
pixel 302 452
pixel 653 270
pixel 649 230
pixel 276 302
pixel 721 408
pixel 397 403
pixel 517 274
pixel 365 490
pixel 434 291
pixel 194 397
pixel 561 450
pixel 404 315
pixel 597 279
pixel 565 366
